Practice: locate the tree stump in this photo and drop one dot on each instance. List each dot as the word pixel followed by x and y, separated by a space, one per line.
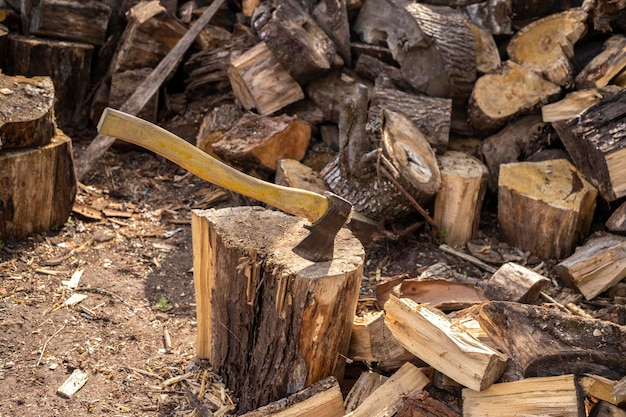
pixel 269 321
pixel 37 187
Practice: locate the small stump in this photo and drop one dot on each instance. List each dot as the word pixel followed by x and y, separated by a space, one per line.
pixel 269 321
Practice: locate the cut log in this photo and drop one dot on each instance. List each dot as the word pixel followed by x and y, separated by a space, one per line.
pixel 517 141
pixel 367 383
pixel 487 54
pixel 260 82
pixel 545 207
pixel 546 342
pixel 616 223
pixel 124 84
pixel 150 34
pixel 85 21
pixel 556 396
pixel 323 398
pixel 38 187
pixel 596 266
pixel 513 282
pixel 505 94
pixel 575 103
pixel 459 201
pixel 431 115
pixel 546 46
pixel 595 141
pixel 261 141
pixel 215 124
pixel 431 336
pixel 420 404
pixel 329 91
pixel 389 397
pixel 493 15
pixel 605 66
pixel 67 63
pixel 372 341
pixel 270 322
pixel 296 40
pixel 26 111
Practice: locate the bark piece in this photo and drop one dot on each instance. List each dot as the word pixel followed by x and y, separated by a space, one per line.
pixel 420 404
pixel 270 322
pixel 546 342
pixel 388 398
pixel 555 396
pixel 616 223
pixel 68 64
pixel 84 21
pixel 545 207
pixel 575 103
pixel 513 282
pixel 26 111
pixel 605 66
pixel 431 336
pixel 38 187
pixel 259 140
pixel 546 46
pixel 296 40
pixel 595 141
pixel 505 94
pixel 260 82
pixel 367 383
pixel 372 341
pixel 596 266
pixel 459 201
pixel 323 398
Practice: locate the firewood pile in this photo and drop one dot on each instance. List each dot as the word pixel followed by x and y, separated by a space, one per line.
pixel 408 110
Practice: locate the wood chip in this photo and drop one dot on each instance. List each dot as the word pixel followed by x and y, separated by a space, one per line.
pixel 72 384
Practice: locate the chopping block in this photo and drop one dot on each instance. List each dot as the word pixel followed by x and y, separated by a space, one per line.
pixel 269 321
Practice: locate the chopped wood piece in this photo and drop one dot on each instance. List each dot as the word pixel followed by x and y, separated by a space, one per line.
pixel 545 207
pixel 487 54
pixel 389 397
pixel 431 336
pixel 73 383
pixel 329 91
pixel 323 398
pixel 332 17
pixel 596 266
pixel 575 103
pixel 497 97
pixel 513 282
pixel 68 64
pixel 619 391
pixel 600 388
pixel 366 384
pixel 26 111
pixel 605 66
pixel 371 340
pixel 215 124
pixel 616 223
pixel 259 140
pixel 544 342
pixel 546 46
pixel 292 173
pixel 459 201
pixel 296 40
pixel 84 21
pixel 595 141
pixel 260 82
pixel 38 187
pixel 371 68
pixel 420 404
pixel 271 322
pixel 441 294
pixel 555 396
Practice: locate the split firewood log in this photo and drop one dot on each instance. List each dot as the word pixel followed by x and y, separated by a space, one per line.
pixel 546 342
pixel 605 66
pixel 545 207
pixel 365 385
pixel 505 94
pixel 332 17
pixel 575 103
pixel 84 21
pixel 372 68
pixel 372 341
pixel 596 266
pixel 616 223
pixel 26 111
pixel 257 140
pixel 546 46
pixel 595 141
pixel 603 389
pixel 296 40
pixel 495 16
pixel 513 282
pixel 329 90
pixel 420 404
pixel 215 124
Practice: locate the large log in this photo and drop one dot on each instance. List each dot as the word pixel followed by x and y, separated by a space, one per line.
pixel 37 187
pixel 270 322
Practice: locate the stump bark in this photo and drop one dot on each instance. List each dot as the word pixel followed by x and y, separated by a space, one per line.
pixel 269 321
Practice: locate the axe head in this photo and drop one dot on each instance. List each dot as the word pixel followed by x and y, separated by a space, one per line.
pixel 319 245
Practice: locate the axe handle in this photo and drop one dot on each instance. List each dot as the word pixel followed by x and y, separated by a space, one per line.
pixel 309 205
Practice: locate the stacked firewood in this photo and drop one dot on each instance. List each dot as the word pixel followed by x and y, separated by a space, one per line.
pixel 410 110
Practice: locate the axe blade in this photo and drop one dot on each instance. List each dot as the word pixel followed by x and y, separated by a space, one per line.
pixel 319 245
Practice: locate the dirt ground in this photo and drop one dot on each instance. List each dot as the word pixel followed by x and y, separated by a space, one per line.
pixel 135 330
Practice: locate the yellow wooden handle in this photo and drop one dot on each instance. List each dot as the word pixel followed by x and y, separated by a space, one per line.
pixel 309 205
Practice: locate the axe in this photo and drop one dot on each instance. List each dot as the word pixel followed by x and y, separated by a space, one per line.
pixel 328 213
